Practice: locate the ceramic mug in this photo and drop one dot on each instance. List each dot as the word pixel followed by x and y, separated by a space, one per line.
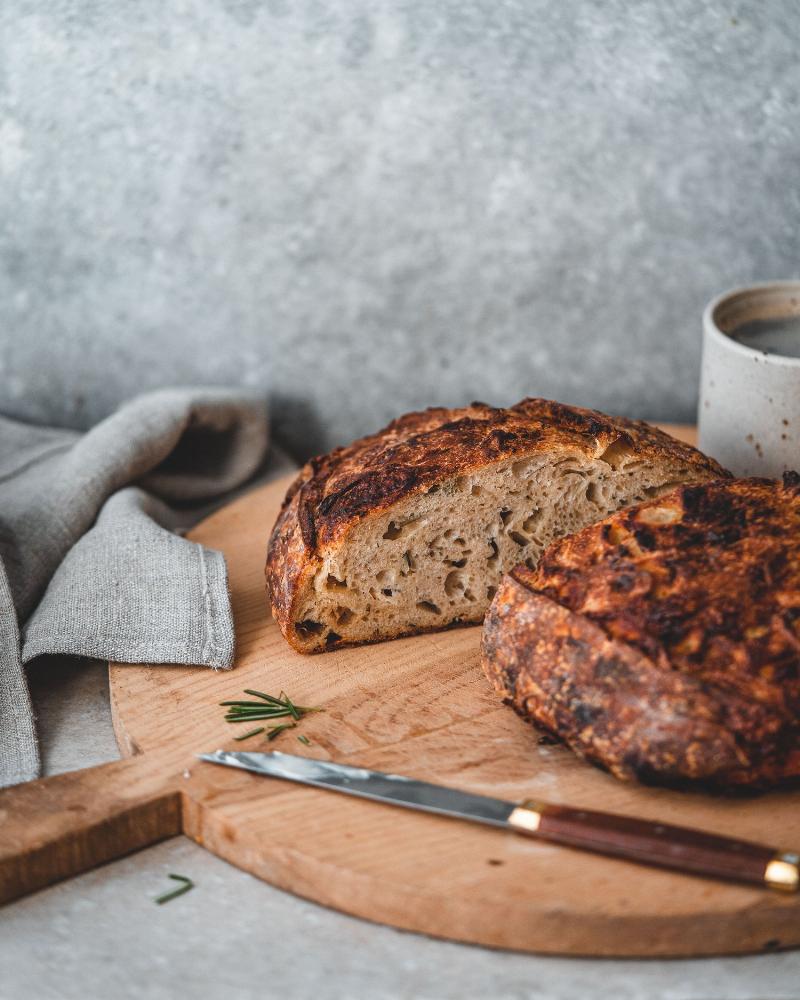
pixel 749 410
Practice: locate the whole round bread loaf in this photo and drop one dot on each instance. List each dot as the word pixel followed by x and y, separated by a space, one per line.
pixel 663 643
pixel 411 529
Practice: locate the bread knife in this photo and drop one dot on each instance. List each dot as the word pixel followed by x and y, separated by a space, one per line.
pixel 659 844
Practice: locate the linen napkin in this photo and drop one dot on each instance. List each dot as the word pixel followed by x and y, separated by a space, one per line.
pixel 89 561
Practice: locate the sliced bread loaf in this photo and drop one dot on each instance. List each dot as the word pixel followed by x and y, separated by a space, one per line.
pixel 411 529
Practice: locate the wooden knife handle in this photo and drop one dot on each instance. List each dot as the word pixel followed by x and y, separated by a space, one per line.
pixel 659 844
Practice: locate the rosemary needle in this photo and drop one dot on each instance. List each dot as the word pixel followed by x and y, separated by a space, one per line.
pixel 267 697
pixel 253 732
pixel 249 704
pixel 187 884
pixel 304 740
pixel 277 730
pixel 251 717
pixel 285 707
pixel 244 716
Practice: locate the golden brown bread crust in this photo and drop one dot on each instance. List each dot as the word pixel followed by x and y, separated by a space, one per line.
pixel 663 643
pixel 334 491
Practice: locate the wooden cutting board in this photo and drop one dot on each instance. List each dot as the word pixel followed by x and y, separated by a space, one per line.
pixel 417 706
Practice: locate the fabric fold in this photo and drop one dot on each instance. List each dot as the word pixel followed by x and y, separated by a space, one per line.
pixel 90 564
pixel 131 590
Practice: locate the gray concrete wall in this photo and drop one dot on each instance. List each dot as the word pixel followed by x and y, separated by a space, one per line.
pixel 372 205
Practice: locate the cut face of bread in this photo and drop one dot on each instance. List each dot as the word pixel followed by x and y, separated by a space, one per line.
pixel 436 558
pixel 412 530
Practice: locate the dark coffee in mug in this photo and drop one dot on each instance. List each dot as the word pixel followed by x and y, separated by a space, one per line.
pixel 773 336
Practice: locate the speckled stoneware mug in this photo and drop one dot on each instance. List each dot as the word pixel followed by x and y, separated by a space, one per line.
pixel 749 410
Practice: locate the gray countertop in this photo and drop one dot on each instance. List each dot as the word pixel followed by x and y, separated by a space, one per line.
pixel 101 936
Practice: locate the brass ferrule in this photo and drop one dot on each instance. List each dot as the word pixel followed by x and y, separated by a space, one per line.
pixel 783 872
pixel 527 816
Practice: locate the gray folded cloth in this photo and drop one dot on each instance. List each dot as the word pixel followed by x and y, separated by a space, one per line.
pixel 89 561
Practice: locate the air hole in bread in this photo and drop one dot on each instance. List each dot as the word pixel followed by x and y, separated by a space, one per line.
pixel 454 583
pixel 495 551
pixel 308 627
pixel 332 638
pixel 343 615
pixel 505 515
pixel 428 606
pixel 397 529
pixel 409 564
pixel 530 522
pixel 520 539
pixel 490 592
pixel 458 563
pixel 387 592
pixel 520 467
pixel 334 583
pixel 594 493
pixel 476 490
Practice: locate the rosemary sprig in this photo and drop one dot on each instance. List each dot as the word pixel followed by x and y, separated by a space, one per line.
pixel 253 732
pixel 186 885
pixel 266 708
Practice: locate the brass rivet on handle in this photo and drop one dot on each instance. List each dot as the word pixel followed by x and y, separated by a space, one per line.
pixel 783 872
pixel 527 816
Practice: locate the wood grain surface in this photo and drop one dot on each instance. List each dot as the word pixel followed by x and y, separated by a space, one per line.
pixel 417 706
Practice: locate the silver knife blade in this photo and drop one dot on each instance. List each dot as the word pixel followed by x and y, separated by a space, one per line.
pixel 394 789
pixel 640 840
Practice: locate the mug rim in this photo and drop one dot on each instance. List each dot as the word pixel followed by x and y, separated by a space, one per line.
pixel 712 329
